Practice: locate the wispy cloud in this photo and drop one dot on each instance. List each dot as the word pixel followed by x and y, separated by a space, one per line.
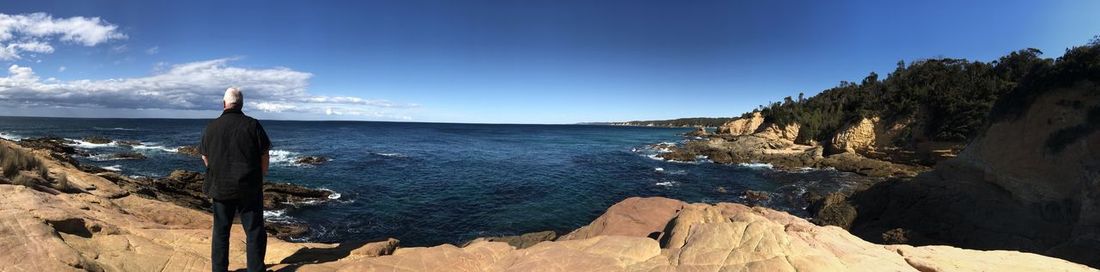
pixel 33 33
pixel 189 86
pixel 152 50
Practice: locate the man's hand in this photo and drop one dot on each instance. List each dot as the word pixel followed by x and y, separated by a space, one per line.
pixel 205 162
pixel 265 159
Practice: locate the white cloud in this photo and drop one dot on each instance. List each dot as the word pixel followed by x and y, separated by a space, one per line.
pixel 152 50
pixel 61 69
pixel 190 86
pixel 31 33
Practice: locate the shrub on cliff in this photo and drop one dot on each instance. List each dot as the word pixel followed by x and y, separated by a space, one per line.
pixel 947 99
pixel 12 161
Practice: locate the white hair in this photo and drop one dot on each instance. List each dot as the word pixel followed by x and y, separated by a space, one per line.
pixel 233 96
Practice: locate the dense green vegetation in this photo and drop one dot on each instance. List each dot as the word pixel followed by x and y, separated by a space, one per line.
pixel 945 99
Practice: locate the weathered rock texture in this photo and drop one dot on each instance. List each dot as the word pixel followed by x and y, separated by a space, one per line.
pixel 742 126
pixel 855 137
pixel 658 234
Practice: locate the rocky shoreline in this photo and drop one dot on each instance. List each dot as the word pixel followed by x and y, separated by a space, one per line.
pixel 184 188
pixel 751 140
pixel 113 224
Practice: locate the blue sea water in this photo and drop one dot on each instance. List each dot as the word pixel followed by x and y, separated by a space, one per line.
pixel 431 183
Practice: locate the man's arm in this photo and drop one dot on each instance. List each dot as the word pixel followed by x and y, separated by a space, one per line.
pixel 264 161
pixel 206 162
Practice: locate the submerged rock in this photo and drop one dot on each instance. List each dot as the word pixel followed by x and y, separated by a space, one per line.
pixel 312 160
pixel 129 143
pixel 698 132
pixel 97 140
pixel 128 156
pixel 757 196
pixel 281 195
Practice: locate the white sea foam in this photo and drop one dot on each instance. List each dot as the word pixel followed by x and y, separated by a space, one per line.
pixel 756 165
pixel 397 155
pixel 102 157
pixel 10 137
pixel 83 144
pixel 658 169
pixel 152 146
pixel 116 168
pixel 283 157
pixel 665 183
pixel 276 214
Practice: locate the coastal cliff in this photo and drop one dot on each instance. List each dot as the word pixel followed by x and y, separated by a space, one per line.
pixel 99 226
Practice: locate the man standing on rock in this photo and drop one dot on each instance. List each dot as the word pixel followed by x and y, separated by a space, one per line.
pixel 234 149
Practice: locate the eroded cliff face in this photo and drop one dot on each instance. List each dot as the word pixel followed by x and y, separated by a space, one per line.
pixel 1029 183
pixel 856 137
pixel 742 126
pixel 1033 158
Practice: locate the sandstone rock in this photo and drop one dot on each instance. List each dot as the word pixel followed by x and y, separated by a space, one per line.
pixel 635 216
pixel 855 137
pixel 742 126
pixel 786 133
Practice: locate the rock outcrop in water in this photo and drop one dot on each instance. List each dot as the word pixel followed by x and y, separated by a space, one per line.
pixel 110 228
pixel 772 147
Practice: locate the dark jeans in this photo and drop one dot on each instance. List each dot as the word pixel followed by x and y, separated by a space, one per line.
pixel 252 218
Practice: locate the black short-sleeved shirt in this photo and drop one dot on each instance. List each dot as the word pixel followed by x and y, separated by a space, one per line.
pixel 233 145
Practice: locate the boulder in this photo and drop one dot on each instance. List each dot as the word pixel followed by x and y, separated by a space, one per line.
pixel 635 216
pixel 785 133
pixel 855 137
pixel 189 150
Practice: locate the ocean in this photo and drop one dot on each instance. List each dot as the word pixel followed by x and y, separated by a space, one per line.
pixel 433 183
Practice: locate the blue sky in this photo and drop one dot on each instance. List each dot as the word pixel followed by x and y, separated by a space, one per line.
pixel 489 61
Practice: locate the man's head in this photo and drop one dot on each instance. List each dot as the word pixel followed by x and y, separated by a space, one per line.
pixel 233 99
